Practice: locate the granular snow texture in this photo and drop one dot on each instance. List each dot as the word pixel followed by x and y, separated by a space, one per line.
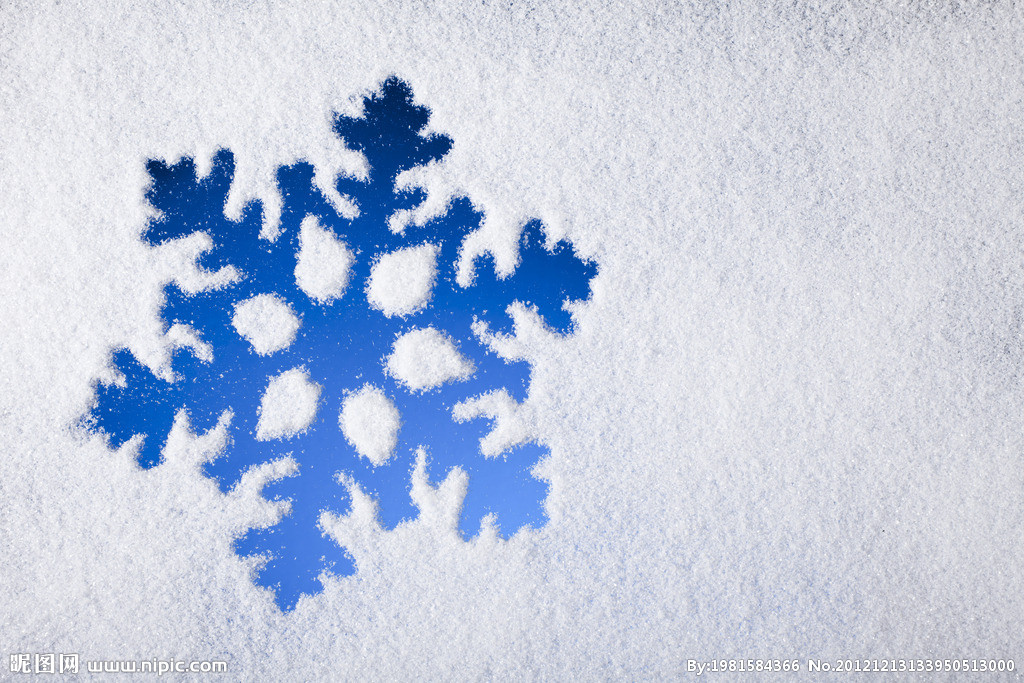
pixel 266 322
pixel 788 423
pixel 288 405
pixel 426 358
pixel 370 421
pixel 323 265
pixel 401 281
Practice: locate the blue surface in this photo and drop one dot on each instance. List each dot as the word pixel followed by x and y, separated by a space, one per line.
pixel 342 344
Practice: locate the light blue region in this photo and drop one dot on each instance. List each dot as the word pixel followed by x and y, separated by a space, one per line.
pixel 342 345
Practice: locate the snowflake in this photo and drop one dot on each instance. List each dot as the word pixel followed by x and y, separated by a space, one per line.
pixel 342 343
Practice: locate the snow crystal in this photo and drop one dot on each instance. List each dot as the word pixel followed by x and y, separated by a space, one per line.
pixel 426 358
pixel 266 322
pixel 370 422
pixel 324 262
pixel 288 406
pixel 401 281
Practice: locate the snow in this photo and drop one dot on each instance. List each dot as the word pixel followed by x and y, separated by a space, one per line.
pixel 425 359
pixel 401 282
pixel 288 406
pixel 511 422
pixel 789 422
pixel 370 422
pixel 266 322
pixel 324 262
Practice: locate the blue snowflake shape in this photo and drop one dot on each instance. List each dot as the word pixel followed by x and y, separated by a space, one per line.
pixel 335 332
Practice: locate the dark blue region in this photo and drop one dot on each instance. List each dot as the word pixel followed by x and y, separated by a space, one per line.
pixel 342 345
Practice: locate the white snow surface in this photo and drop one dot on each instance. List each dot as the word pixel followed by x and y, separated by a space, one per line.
pixel 425 358
pixel 267 322
pixel 401 281
pixel 370 422
pixel 324 262
pixel 288 405
pixel 789 422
